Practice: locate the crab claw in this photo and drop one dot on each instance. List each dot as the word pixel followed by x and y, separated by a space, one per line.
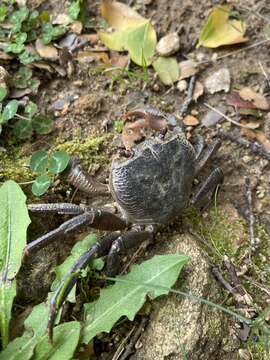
pixel 60 295
pixel 147 118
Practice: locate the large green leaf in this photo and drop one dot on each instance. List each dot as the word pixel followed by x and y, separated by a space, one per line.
pixel 22 348
pixel 65 341
pixel 14 221
pixel 126 298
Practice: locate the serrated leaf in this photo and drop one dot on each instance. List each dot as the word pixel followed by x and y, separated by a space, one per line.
pixel 10 110
pixel 125 299
pixel 41 185
pixel 42 124
pixel 78 249
pixel 22 348
pixel 3 12
pixel 3 93
pixel 14 221
pixel 20 79
pixel 39 161
pixel 220 30
pixel 65 341
pixel 74 9
pixel 26 57
pixel 51 32
pixel 18 17
pixel 167 69
pixel 133 32
pixel 58 162
pixel 23 129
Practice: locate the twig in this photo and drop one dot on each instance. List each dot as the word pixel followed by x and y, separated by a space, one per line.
pixel 262 42
pixel 223 282
pixel 129 348
pixel 189 97
pixel 121 348
pixel 226 117
pixel 265 74
pixel 254 242
pixel 253 146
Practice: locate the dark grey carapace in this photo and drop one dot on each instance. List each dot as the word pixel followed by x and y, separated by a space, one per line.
pixel 155 184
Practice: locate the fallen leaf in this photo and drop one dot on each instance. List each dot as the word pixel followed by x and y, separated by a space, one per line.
pixel 251 124
pixel 120 61
pixel 234 99
pixel 190 120
pixel 221 30
pixel 167 69
pixel 187 69
pixel 134 33
pixel 258 100
pixel 91 56
pixel 198 91
pixel 48 52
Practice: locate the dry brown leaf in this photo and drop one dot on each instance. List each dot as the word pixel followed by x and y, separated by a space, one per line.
pixel 90 56
pixel 261 137
pixel 258 100
pixel 187 69
pixel 198 91
pixel 120 61
pixel 251 124
pixel 48 52
pixel 234 99
pixel 190 120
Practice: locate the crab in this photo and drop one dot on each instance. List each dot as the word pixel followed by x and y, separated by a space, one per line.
pixel 151 184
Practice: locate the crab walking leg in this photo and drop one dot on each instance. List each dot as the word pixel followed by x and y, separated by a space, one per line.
pixel 59 208
pixel 208 186
pixel 95 218
pixel 121 245
pixel 97 250
pixel 198 146
pixel 207 155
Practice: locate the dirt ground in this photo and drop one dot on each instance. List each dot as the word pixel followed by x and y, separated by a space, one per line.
pixel 95 100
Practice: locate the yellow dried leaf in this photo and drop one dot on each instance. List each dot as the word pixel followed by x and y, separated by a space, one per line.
pixel 220 30
pixel 258 100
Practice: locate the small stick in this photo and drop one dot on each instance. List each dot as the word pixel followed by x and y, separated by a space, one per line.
pixel 223 282
pixel 254 242
pixel 253 146
pixel 265 74
pixel 189 97
pixel 129 348
pixel 226 117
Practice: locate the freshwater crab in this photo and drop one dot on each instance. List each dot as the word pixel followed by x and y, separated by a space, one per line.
pixel 151 185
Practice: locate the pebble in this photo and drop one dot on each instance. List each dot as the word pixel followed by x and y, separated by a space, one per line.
pixel 218 81
pixel 182 85
pixel 168 44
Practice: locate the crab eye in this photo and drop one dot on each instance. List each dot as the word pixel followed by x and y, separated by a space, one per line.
pixel 129 131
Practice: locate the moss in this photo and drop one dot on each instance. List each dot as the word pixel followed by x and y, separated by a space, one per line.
pixel 92 151
pixel 223 230
pixel 15 166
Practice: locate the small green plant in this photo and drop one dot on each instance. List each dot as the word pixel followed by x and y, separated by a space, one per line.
pixel 118 126
pixel 19 26
pixel 47 166
pixel 28 122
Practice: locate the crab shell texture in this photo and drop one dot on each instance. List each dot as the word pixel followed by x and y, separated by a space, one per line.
pixel 154 185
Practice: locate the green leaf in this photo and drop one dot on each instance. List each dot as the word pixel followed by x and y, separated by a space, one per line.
pixel 74 9
pixel 31 108
pixel 139 41
pixel 78 249
pixel 27 58
pixel 3 93
pixel 21 38
pixel 167 69
pixel 41 185
pixel 15 48
pixel 10 110
pixel 23 129
pixel 39 161
pixel 42 124
pixel 22 348
pixel 14 221
pixel 58 162
pixel 51 32
pixel 126 298
pixel 18 17
pixel 22 77
pixel 65 341
pixel 3 12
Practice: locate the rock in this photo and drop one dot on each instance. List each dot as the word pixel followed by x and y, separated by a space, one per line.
pixel 182 85
pixel 178 325
pixel 168 45
pixel 218 81
pixel 211 118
